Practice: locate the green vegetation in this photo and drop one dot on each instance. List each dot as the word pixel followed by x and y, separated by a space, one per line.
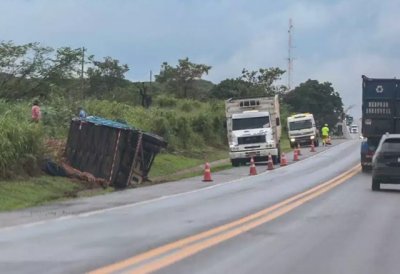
pixel 20 142
pixel 166 164
pixel 317 98
pixel 22 193
pixel 179 106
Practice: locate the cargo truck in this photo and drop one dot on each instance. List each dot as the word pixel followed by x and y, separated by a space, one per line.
pixel 253 128
pixel 302 130
pixel 380 114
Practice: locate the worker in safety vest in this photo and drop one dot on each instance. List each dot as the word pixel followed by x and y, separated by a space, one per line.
pixel 325 134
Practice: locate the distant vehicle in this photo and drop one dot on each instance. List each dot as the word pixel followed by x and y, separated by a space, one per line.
pixel 386 161
pixel 380 114
pixel 353 129
pixel 302 130
pixel 254 129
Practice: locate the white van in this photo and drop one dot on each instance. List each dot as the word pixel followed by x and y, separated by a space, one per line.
pixel 353 129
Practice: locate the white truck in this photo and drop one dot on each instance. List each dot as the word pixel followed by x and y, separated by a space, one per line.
pixel 302 129
pixel 254 129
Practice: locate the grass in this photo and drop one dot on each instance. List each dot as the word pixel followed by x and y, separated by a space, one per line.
pixel 35 191
pixel 215 168
pixel 167 164
pixel 193 172
pixel 285 144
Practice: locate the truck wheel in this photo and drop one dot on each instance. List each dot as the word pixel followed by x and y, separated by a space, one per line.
pixel 235 162
pixel 375 184
pixel 316 143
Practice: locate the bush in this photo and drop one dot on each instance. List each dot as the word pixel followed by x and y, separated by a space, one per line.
pixel 186 107
pixel 166 101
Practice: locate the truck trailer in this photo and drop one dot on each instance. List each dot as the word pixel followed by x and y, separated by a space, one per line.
pixel 380 114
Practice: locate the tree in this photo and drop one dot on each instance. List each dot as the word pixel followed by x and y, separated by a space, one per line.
pixel 317 98
pixel 29 70
pixel 65 65
pixel 104 76
pixel 230 88
pixel 19 63
pixel 263 80
pixel 180 79
pixel 250 84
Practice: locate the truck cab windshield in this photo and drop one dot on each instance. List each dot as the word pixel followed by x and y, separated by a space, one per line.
pixel 297 125
pixel 250 123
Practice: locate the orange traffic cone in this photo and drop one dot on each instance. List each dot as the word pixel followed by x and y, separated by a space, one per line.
pixel 270 163
pixel 283 160
pixel 312 146
pixel 298 150
pixel 253 170
pixel 295 155
pixel 207 173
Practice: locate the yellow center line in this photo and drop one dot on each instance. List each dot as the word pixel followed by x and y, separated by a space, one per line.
pixel 189 246
pixel 197 247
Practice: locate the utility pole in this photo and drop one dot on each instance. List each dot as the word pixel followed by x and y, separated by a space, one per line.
pixel 82 71
pixel 151 77
pixel 290 58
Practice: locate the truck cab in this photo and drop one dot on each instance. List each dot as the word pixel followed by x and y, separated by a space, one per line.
pixel 253 129
pixel 302 130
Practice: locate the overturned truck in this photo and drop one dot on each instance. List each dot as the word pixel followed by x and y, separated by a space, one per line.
pixel 110 150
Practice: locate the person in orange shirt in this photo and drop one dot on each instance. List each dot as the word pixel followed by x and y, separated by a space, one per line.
pixel 36 113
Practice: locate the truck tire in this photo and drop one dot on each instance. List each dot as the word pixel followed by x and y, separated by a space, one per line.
pixel 375 184
pixel 235 162
pixel 364 169
pixel 316 143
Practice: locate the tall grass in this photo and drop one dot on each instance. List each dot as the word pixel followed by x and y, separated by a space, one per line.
pixel 185 124
pixel 21 142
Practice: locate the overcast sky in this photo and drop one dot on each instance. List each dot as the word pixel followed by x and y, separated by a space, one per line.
pixel 335 41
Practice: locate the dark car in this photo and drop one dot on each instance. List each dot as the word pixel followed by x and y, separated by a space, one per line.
pixel 386 161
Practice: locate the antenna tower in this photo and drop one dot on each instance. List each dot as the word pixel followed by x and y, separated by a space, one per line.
pixel 290 58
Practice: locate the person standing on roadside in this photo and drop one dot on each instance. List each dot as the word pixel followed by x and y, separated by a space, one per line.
pixel 325 134
pixel 36 112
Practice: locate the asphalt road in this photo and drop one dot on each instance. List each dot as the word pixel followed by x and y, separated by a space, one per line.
pixel 348 230
pixel 344 229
